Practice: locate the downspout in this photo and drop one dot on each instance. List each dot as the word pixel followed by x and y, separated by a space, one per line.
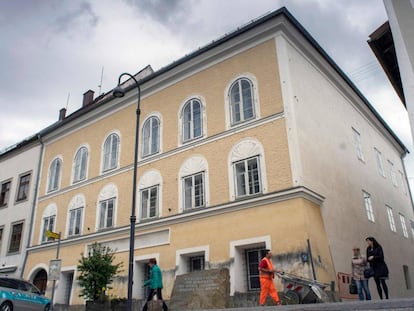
pixel 36 193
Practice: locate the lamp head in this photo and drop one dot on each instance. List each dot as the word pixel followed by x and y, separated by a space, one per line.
pixel 118 91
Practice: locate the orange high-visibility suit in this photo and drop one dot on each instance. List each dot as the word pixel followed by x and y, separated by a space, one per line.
pixel 267 287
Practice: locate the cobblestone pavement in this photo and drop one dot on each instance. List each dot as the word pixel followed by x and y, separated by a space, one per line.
pixel 403 304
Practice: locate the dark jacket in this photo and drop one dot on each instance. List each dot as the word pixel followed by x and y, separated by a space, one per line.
pixel 155 280
pixel 377 263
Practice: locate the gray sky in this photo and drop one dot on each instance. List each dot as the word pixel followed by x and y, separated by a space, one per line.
pixel 53 51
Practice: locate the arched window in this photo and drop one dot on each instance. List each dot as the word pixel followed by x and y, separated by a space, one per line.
pixel 241 101
pixel 150 194
pixel 48 221
pixel 110 152
pixel 54 175
pixel 193 185
pixel 80 164
pixel 247 171
pixel 151 136
pixel 75 216
pixel 107 202
pixel 192 120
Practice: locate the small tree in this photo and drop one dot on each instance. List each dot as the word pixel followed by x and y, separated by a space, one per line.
pixel 96 271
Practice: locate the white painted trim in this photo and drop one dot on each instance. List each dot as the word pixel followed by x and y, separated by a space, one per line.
pixel 180 253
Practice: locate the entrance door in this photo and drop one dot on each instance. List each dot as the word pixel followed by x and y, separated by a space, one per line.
pixel 40 280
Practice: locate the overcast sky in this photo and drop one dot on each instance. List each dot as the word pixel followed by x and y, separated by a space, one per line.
pixel 52 51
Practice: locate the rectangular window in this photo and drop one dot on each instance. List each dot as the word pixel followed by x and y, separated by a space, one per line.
pixel 194 191
pixel 412 228
pixel 16 237
pixel 368 206
pixel 380 164
pixel 404 226
pixel 391 219
pixel 5 193
pixel 23 190
pixel 75 218
pixel 196 263
pixel 392 173
pixel 149 202
pixel 106 214
pixel 253 258
pixel 48 224
pixel 247 174
pixel 358 144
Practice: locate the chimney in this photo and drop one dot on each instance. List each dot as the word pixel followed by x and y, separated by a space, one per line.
pixel 87 98
pixel 62 114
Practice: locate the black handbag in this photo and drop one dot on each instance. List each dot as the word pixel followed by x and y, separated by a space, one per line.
pixel 353 290
pixel 369 272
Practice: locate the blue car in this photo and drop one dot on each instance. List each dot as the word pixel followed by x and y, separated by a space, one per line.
pixel 20 295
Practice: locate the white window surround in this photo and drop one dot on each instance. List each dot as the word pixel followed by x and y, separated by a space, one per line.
pixel 57 158
pixel 247 148
pixel 404 226
pixel 182 254
pixel 49 211
pixel 149 179
pixel 256 103
pixel 202 100
pixel 116 132
pixel 391 220
pixel 358 144
pixel 160 127
pixel 402 178
pixel 368 206
pixel 380 164
pixel 86 146
pixel 192 166
pixel 392 173
pixel 109 191
pixel 76 202
pixel 237 274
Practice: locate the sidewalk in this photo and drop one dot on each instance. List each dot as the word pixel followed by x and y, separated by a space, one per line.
pixel 401 304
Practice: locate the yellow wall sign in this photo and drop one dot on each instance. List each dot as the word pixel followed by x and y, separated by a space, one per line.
pixel 51 234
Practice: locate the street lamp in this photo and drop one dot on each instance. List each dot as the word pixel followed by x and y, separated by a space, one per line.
pixel 120 92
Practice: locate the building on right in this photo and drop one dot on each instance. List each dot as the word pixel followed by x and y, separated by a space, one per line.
pixel 393 45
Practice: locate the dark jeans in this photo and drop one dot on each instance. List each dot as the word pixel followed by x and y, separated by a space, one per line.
pixel 380 282
pixel 151 294
pixel 362 286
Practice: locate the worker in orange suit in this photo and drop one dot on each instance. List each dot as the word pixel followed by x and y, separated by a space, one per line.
pixel 267 274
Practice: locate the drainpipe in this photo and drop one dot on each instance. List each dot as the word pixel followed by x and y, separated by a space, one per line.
pixel 36 193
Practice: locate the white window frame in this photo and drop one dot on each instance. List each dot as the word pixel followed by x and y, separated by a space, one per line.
pixel 49 211
pixel 80 164
pixel 380 163
pixel 241 102
pixel 191 122
pixel 403 226
pixel 392 173
pixel 23 187
pixel 192 179
pixel 104 212
pixel 146 210
pixel 191 166
pixel 247 177
pixel 148 148
pixel 6 186
pixel 255 100
pixel 111 153
pixel 48 223
pixel 75 221
pixel 391 219
pixel 368 206
pixel 358 144
pixel 403 185
pixel 55 174
pixel 182 256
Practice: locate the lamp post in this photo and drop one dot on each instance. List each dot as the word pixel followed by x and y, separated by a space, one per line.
pixel 120 92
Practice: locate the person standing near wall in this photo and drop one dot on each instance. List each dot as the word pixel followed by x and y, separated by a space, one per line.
pixel 267 274
pixel 155 284
pixel 359 264
pixel 375 257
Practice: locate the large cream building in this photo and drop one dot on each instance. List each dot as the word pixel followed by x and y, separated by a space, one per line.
pixel 257 140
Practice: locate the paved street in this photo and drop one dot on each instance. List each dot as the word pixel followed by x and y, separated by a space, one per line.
pixel 403 304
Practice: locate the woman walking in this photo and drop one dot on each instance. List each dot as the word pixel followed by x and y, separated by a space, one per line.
pixel 375 257
pixel 359 263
